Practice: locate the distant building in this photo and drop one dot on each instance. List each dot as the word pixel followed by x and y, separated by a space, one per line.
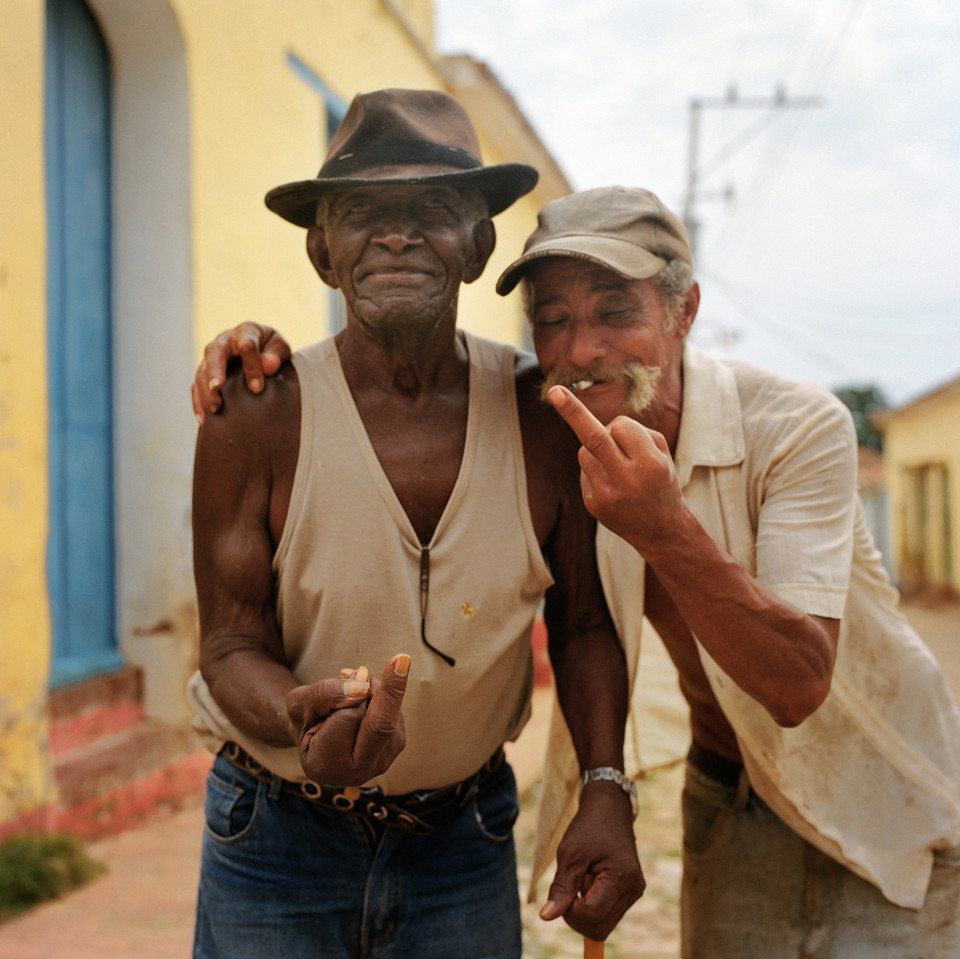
pixel 138 141
pixel 921 449
pixel 871 484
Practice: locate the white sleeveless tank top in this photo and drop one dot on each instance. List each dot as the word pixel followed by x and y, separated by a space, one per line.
pixel 348 574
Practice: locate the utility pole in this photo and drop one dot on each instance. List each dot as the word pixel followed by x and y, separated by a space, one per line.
pixel 779 101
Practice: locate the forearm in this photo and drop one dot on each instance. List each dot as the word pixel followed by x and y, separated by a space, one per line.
pixel 591 682
pixel 598 849
pixel 251 688
pixel 780 656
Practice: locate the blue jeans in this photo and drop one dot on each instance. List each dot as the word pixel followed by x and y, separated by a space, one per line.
pixel 753 889
pixel 281 876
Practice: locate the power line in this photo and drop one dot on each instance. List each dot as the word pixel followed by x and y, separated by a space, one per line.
pixel 779 101
pixel 820 74
pixel 765 321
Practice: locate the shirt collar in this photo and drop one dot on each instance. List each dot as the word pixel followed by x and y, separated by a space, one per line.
pixel 711 430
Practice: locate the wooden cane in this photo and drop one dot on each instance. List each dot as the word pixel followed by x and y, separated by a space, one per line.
pixel 592 949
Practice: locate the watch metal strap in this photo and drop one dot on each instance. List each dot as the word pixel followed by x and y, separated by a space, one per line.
pixel 614 775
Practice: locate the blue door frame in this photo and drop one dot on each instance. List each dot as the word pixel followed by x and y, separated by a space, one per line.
pixel 80 555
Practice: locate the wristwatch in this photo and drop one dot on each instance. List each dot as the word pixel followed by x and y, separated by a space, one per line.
pixel 615 776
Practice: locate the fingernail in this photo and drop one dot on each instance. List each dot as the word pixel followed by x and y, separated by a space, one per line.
pixel 199 419
pixel 401 665
pixel 214 384
pixel 547 911
pixel 346 673
pixel 353 687
pixel 256 385
pixel 363 674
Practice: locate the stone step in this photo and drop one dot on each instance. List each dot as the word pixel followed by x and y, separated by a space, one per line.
pixel 119 780
pixel 542 673
pixel 112 767
pixel 90 709
pixel 99 767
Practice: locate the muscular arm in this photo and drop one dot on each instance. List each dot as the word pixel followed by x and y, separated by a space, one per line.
pixel 347 728
pixel 776 653
pixel 238 513
pixel 598 849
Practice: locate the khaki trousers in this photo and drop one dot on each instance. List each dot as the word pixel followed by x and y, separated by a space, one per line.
pixel 753 889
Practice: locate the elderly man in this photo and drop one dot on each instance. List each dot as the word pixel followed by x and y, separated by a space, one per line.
pixel 822 798
pixel 397 499
pixel 821 805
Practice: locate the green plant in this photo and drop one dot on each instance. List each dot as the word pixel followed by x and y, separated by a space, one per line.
pixel 38 867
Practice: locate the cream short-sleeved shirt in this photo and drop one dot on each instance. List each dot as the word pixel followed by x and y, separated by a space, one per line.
pixel 872 778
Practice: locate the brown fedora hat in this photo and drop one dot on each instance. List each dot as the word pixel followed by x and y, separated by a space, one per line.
pixel 403 136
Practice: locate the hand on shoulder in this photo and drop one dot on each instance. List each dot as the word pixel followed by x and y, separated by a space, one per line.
pixel 260 350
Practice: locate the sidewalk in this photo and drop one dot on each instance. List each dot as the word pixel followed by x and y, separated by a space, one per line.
pixel 143 908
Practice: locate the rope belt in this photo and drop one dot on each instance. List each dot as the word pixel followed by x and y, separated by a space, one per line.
pixel 370 803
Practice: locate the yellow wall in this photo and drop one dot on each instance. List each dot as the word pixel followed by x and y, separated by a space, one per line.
pixel 245 122
pixel 24 621
pixel 924 433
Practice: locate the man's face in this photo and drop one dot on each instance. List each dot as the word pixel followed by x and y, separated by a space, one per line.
pixel 400 252
pixel 604 336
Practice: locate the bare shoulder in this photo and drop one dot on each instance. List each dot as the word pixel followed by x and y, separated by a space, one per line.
pixel 242 406
pixel 247 453
pixel 252 425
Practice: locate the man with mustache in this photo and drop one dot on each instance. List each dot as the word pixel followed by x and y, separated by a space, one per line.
pixel 821 805
pixel 398 498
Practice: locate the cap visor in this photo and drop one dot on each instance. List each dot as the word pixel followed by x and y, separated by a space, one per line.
pixel 624 258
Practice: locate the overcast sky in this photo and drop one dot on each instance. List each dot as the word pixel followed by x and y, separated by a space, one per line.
pixel 828 246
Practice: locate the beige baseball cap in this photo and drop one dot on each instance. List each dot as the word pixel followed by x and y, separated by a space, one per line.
pixel 625 229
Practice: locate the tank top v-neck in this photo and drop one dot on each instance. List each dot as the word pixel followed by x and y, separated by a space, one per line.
pixel 349 584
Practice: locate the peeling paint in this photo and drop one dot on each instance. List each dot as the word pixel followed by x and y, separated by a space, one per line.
pixel 163 626
pixel 26 781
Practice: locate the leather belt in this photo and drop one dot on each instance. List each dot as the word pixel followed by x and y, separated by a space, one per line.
pixel 404 811
pixel 719 768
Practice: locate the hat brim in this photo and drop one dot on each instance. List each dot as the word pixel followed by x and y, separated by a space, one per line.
pixel 501 185
pixel 623 257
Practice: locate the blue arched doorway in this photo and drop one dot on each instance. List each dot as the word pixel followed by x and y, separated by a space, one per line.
pixel 80 557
